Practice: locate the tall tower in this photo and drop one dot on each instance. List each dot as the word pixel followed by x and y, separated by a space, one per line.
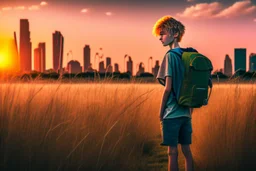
pixel 240 59
pixel 252 62
pixel 156 68
pixel 16 54
pixel 58 45
pixel 25 46
pixel 39 58
pixel 87 57
pixel 36 59
pixel 130 66
pixel 42 53
pixel 227 66
pixel 109 67
pixel 116 67
pixel 101 67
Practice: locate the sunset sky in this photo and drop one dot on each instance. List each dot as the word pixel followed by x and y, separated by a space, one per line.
pixel 214 28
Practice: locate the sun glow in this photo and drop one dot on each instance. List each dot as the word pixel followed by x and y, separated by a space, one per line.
pixel 4 63
pixel 8 55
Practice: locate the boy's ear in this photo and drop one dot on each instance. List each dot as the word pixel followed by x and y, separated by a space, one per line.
pixel 176 34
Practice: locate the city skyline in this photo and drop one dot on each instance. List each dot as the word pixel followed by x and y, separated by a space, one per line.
pixel 118 31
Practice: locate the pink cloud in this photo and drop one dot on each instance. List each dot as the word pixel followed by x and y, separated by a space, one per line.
pixel 84 10
pixel 254 20
pixel 109 13
pixel 7 8
pixel 43 3
pixel 238 8
pixel 204 10
pixel 215 10
pixel 20 8
pixel 34 7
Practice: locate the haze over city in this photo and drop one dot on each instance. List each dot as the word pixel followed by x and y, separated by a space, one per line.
pixel 214 28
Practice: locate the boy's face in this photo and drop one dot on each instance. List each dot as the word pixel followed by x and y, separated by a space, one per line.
pixel 166 37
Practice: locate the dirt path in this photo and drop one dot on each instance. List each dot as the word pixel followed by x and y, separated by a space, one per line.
pixel 157 160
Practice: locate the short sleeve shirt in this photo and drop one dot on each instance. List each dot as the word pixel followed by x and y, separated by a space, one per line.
pixel 172 66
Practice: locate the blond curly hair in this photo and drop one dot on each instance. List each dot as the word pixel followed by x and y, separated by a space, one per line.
pixel 171 25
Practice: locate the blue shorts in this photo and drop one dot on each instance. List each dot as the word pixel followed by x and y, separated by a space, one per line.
pixel 176 130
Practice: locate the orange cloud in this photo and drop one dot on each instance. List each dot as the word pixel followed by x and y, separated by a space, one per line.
pixel 201 10
pixel 19 8
pixel 34 7
pixel 7 8
pixel 43 3
pixel 109 13
pixel 215 10
pixel 238 8
pixel 84 10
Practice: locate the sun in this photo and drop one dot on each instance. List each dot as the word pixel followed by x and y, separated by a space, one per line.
pixel 3 60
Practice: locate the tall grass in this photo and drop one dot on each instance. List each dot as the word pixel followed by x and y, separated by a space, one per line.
pixel 224 132
pixel 109 126
pixel 75 127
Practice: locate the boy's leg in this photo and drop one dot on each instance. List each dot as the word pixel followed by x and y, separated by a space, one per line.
pixel 170 133
pixel 188 157
pixel 185 141
pixel 172 158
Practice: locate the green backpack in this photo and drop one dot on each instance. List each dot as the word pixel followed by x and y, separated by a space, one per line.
pixel 197 79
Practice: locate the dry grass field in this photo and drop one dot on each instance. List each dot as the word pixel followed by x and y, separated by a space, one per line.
pixel 115 127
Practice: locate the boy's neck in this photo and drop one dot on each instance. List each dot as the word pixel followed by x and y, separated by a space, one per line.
pixel 175 44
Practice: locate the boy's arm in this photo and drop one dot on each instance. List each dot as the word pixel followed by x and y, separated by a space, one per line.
pixel 191 110
pixel 167 91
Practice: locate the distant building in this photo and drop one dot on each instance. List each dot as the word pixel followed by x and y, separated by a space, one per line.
pixel 101 67
pixel 36 60
pixel 25 46
pixel 130 66
pixel 240 59
pixel 227 66
pixel 156 68
pixel 141 69
pixel 58 45
pixel 74 67
pixel 116 67
pixel 87 58
pixel 109 67
pixel 252 62
pixel 221 70
pixel 39 58
pixel 16 62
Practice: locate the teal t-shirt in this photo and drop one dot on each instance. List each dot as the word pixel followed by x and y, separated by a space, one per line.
pixel 172 66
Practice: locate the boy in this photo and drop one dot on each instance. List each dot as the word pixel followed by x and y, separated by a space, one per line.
pixel 175 119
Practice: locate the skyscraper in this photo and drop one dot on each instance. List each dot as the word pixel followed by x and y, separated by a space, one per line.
pixel 39 58
pixel 240 59
pixel 101 67
pixel 42 53
pixel 109 67
pixel 116 67
pixel 156 68
pixel 130 66
pixel 74 67
pixel 36 60
pixel 87 57
pixel 227 66
pixel 16 61
pixel 25 46
pixel 141 69
pixel 252 62
pixel 58 45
